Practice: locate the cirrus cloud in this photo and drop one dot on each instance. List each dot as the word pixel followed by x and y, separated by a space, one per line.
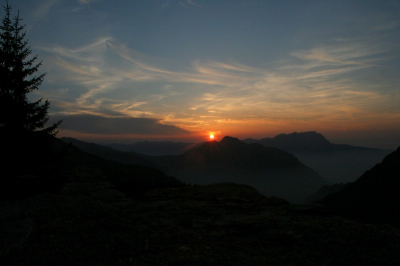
pixel 96 124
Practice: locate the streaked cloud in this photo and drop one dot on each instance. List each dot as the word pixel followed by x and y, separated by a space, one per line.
pixel 103 125
pixel 86 1
pixel 165 4
pixel 234 67
pixel 189 4
pixel 43 9
pixel 319 84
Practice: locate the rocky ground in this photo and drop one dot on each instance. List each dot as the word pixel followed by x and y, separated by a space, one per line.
pixel 91 223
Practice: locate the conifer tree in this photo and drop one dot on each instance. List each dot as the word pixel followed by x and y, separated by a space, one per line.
pixel 17 79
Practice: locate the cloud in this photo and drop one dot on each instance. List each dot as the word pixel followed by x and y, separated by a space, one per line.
pixel 189 4
pixel 86 2
pixel 385 26
pixel 166 4
pixel 321 81
pixel 101 125
pixel 43 10
pixel 324 83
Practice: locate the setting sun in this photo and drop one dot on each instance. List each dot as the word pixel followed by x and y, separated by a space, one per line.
pixel 211 136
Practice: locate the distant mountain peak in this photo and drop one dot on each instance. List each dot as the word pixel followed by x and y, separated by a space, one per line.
pixel 303 141
pixel 309 137
pixel 230 140
pixel 270 170
pixel 234 152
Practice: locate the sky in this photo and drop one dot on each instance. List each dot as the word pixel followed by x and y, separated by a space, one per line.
pixel 129 70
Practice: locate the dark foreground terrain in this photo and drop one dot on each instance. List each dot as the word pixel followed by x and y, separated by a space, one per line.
pixel 91 223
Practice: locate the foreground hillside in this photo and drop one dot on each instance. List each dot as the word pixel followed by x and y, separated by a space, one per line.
pixel 91 223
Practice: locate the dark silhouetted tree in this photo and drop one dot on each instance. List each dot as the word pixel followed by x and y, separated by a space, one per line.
pixel 26 141
pixel 17 79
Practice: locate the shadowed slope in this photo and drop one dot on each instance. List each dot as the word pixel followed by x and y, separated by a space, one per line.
pixel 52 162
pixel 109 153
pixel 154 148
pixel 375 196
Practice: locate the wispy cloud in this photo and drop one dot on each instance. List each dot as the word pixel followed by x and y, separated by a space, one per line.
pixel 189 4
pixel 385 26
pixel 165 5
pixel 94 124
pixel 319 84
pixel 43 9
pixel 86 2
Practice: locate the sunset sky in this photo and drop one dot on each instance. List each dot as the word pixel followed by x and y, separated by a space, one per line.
pixel 127 70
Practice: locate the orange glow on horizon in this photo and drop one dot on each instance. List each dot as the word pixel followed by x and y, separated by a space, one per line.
pixel 212 135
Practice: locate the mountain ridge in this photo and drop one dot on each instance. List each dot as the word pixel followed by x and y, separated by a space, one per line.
pixel 337 163
pixel 270 170
pixel 153 148
pixel 231 151
pixel 304 141
pixel 108 153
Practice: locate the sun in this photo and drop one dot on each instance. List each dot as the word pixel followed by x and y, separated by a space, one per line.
pixel 211 136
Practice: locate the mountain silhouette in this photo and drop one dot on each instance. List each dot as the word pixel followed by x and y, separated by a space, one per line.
pixel 153 148
pixel 108 153
pixel 130 179
pixel 374 197
pixel 304 141
pixel 336 163
pixel 63 162
pixel 270 170
pixel 295 141
pixel 231 152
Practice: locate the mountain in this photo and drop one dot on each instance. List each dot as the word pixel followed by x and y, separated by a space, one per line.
pixel 374 197
pixel 129 179
pixel 271 171
pixel 337 163
pixel 54 162
pixel 231 152
pixel 154 148
pixel 108 153
pixel 304 141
